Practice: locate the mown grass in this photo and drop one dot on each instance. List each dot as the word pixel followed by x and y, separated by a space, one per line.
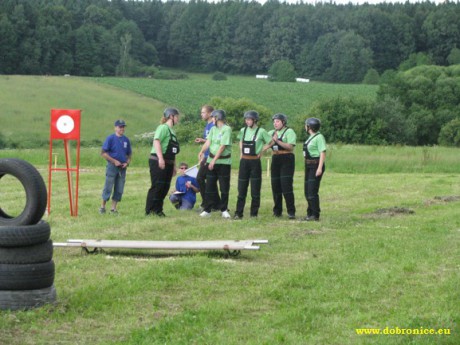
pixel 361 266
pixel 293 99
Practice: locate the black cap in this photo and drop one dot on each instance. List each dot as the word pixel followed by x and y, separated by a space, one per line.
pixel 120 123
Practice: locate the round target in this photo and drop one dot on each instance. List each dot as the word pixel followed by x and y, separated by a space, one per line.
pixel 65 124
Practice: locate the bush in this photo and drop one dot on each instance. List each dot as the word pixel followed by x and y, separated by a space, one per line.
pixel 372 77
pixel 282 70
pixel 397 127
pixel 349 121
pixel 235 109
pixel 188 130
pixel 454 57
pixel 219 76
pixel 450 133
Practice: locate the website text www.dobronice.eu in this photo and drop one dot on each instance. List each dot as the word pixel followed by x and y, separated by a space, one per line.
pixel 402 331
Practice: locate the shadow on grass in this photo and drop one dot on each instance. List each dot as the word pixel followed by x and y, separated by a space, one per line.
pixel 142 255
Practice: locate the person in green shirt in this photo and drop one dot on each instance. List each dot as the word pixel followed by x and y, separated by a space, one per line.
pixel 252 139
pixel 314 152
pixel 283 165
pixel 219 142
pixel 162 162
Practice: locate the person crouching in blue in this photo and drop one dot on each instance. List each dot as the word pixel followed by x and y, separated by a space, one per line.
pixel 184 196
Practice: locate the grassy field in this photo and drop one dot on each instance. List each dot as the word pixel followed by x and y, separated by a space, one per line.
pixel 27 100
pixel 293 99
pixel 384 255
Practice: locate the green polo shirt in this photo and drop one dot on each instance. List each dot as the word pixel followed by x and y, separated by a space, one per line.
pixel 289 136
pixel 316 145
pixel 218 137
pixel 162 134
pixel 261 139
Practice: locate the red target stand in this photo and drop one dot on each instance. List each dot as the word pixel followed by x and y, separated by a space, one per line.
pixel 65 125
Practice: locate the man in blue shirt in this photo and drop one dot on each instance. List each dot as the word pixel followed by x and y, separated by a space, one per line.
pixel 117 152
pixel 184 197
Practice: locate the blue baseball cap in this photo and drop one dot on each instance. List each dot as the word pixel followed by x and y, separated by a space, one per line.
pixel 120 123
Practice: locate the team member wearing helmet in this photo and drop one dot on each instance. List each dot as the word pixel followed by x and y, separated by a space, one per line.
pixel 219 142
pixel 162 162
pixel 206 111
pixel 283 165
pixel 252 139
pixel 314 151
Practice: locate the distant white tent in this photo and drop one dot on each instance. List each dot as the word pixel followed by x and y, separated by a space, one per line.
pixel 302 80
pixel 262 76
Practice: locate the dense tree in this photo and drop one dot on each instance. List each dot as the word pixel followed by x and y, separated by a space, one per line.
pixel 430 96
pixel 442 30
pixel 8 39
pixel 350 59
pixel 324 41
pixel 454 56
pixel 282 70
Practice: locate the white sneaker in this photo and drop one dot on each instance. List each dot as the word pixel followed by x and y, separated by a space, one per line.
pixel 205 214
pixel 225 214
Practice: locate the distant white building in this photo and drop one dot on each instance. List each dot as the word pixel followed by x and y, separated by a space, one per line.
pixel 302 80
pixel 262 76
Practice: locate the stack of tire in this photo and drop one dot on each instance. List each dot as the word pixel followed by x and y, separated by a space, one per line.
pixel 26 250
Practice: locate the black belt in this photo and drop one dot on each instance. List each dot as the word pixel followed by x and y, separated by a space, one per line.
pixel 312 161
pixel 154 157
pixel 221 157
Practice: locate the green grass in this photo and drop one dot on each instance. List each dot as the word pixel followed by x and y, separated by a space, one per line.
pixel 26 103
pixel 27 100
pixel 312 284
pixel 340 158
pixel 293 99
pixel 360 267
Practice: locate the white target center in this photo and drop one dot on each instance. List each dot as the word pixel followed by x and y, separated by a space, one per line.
pixel 65 124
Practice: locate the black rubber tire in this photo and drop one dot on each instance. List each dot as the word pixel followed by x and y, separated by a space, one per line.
pixel 34 254
pixel 24 235
pixel 26 299
pixel 34 186
pixel 27 276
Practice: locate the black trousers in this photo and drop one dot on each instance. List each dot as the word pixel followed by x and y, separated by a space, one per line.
pixel 221 174
pixel 250 171
pixel 282 178
pixel 160 182
pixel 311 189
pixel 201 179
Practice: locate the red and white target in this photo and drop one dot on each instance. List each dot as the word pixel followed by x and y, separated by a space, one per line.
pixel 65 124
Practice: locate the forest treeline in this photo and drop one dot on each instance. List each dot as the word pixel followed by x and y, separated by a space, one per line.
pixel 338 43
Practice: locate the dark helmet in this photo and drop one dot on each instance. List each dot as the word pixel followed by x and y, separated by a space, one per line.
pixel 313 123
pixel 170 112
pixel 219 114
pixel 281 117
pixel 251 114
